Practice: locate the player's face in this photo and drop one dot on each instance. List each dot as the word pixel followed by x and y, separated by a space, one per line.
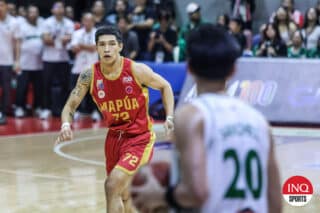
pixel 108 48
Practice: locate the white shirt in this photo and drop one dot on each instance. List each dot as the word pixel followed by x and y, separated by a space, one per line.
pixel 84 59
pixel 312 38
pixel 31 46
pixel 9 30
pixel 237 148
pixel 58 52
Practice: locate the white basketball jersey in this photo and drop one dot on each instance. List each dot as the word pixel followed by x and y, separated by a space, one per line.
pixel 237 148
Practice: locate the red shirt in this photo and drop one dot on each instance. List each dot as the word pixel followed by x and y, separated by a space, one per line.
pixel 123 102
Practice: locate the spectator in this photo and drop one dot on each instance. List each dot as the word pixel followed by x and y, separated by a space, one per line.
pixel 311 29
pixel 195 20
pixel 168 5
pixel 295 15
pixel 84 48
pixel 30 61
pixel 163 39
pixel 223 21
pixel 257 39
pixel 297 50
pixel 271 45
pixel 245 10
pixel 130 38
pixel 315 52
pixel 284 24
pixel 121 9
pixel 318 10
pixel 12 9
pixel 22 11
pixel 70 15
pixel 235 27
pixel 98 11
pixel 57 31
pixel 10 54
pixel 142 22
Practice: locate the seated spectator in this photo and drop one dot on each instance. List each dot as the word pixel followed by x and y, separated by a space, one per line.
pixel 285 26
pixel 129 38
pixel 163 39
pixel 142 21
pixel 223 21
pixel 315 52
pixel 245 10
pixel 258 37
pixel 121 8
pixel 296 50
pixel 30 63
pixel 235 27
pixel 168 5
pixel 311 29
pixel 271 45
pixel 195 20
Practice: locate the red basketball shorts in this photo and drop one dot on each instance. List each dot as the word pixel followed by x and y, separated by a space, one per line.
pixel 128 152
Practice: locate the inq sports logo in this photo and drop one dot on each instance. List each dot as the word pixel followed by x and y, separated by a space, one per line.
pixel 297 190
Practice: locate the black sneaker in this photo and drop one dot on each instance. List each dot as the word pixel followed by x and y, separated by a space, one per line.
pixel 3 119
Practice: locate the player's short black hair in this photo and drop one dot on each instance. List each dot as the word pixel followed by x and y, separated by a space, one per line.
pixel 4 1
pixel 212 52
pixel 108 30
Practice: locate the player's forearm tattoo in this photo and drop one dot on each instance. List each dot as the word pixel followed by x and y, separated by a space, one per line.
pixel 85 77
pixel 76 91
pixel 71 115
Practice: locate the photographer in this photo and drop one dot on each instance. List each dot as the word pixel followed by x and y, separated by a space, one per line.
pixel 271 45
pixel 163 39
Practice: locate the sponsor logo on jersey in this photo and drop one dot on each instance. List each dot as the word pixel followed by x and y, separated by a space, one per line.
pixel 101 94
pixel 127 79
pixel 99 84
pixel 297 190
pixel 129 89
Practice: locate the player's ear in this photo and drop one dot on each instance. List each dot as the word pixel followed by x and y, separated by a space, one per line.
pixel 120 46
pixel 189 68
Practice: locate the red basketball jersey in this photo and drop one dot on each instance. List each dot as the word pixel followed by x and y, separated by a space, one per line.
pixel 123 102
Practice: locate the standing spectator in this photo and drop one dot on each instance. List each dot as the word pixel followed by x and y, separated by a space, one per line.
pixel 271 45
pixel 311 29
pixel 12 9
pixel 163 39
pixel 121 9
pixel 245 10
pixel 9 56
pixel 284 24
pixel 295 15
pixel 130 38
pixel 98 10
pixel 297 50
pixel 57 31
pixel 30 61
pixel 142 22
pixel 22 11
pixel 195 20
pixel 84 48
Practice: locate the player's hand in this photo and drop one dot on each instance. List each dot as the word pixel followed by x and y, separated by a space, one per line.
pixel 65 134
pixel 149 196
pixel 169 125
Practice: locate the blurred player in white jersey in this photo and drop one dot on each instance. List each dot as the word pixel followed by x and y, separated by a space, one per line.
pixel 225 146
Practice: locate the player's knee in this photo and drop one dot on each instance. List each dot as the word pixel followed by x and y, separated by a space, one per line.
pixel 111 187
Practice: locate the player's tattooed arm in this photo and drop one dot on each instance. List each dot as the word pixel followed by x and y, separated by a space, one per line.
pixel 76 96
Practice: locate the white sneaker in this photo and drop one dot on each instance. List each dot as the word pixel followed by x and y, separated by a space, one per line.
pixel 45 114
pixel 37 112
pixel 95 116
pixel 19 112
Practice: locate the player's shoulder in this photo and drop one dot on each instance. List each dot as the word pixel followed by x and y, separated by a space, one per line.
pixel 139 68
pixel 188 114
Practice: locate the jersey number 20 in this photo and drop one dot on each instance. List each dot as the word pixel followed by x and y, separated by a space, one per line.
pixel 233 191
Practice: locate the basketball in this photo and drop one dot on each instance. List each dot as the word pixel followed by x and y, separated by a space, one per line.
pixel 161 171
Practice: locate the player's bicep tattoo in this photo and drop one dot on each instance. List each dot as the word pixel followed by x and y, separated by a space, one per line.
pixel 85 78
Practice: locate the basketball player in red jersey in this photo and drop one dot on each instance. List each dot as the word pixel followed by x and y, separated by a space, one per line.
pixel 119 88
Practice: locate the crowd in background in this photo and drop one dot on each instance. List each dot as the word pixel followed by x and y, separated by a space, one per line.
pixel 49 53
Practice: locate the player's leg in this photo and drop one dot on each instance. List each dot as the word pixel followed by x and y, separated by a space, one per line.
pixel 127 201
pixel 116 185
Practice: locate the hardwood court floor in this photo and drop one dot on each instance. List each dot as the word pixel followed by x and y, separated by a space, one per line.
pixel 33 178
